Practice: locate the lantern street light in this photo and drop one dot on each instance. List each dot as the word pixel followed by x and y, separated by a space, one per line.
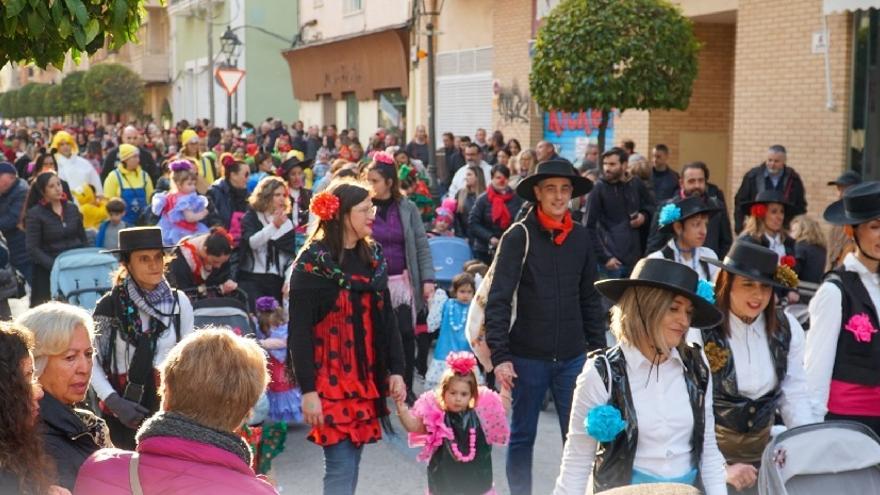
pixel 230 47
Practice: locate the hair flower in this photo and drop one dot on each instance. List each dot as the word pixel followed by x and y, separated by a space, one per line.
pixel 716 356
pixel 461 363
pixel 325 205
pixel 706 290
pixel 669 213
pixel 860 326
pixel 179 165
pixel 786 276
pixel 383 157
pixel 758 211
pixel 788 260
pixel 266 304
pixel 604 423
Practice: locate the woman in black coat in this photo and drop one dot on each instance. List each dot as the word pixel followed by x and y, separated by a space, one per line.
pixel 228 197
pixel 492 214
pixel 53 224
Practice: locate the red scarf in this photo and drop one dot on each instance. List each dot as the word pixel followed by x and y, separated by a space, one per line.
pixel 500 213
pixel 564 227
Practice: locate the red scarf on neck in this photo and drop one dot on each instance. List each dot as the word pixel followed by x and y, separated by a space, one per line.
pixel 563 228
pixel 500 213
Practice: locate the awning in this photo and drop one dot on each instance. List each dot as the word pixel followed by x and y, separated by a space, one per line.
pixel 832 6
pixel 360 64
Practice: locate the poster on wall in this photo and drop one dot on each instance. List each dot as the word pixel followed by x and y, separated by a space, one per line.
pixel 571 132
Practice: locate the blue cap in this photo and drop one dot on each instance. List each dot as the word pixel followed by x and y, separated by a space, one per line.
pixel 7 168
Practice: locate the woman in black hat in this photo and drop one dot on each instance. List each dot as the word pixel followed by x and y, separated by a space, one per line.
pixel 843 350
pixel 293 171
pixel 137 323
pixel 617 432
pixel 756 356
pixel 766 221
pixel 687 219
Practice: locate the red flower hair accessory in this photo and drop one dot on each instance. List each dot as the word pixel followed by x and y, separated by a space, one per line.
pixel 227 160
pixel 324 206
pixel 461 363
pixel 758 211
pixel 788 260
pixel 383 157
pixel 225 233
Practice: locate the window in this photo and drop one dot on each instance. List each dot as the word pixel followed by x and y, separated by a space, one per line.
pixel 392 111
pixel 464 92
pixel 351 111
pixel 352 6
pixel 864 134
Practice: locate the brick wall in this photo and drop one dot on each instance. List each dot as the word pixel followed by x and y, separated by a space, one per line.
pixel 780 92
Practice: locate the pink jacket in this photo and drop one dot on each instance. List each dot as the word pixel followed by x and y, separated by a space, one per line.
pixel 170 465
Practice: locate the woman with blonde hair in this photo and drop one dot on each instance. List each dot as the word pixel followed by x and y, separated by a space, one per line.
pixel 268 241
pixel 474 186
pixel 526 161
pixel 617 433
pixel 210 383
pixel 810 249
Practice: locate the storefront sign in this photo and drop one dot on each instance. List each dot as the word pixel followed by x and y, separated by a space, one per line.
pixel 571 132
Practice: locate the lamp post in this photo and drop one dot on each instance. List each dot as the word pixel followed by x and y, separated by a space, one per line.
pixel 230 47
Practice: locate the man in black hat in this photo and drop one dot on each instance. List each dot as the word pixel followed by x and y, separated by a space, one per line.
pixel 546 261
pixel 616 209
pixel 773 174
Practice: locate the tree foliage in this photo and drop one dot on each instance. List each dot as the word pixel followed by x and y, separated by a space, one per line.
pixel 113 88
pixel 43 31
pixel 73 94
pixel 614 54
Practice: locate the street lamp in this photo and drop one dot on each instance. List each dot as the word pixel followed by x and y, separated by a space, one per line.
pixel 230 47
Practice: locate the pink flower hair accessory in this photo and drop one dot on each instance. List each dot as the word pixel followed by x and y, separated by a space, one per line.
pixel 461 363
pixel 860 326
pixel 178 165
pixel 383 157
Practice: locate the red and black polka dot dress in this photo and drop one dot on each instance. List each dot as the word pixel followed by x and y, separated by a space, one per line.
pixel 348 398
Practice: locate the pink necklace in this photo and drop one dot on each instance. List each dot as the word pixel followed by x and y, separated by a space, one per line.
pixel 472 452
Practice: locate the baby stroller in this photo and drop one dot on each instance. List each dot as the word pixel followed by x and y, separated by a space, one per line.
pixel 449 255
pixel 81 276
pixel 822 458
pixel 225 311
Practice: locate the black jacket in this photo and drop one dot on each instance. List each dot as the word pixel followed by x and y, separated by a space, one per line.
pixel 609 207
pixel 719 237
pixel 65 438
pixel 221 203
pixel 810 261
pixel 11 204
pixel 47 235
pixel 462 220
pixel 753 182
pixel 148 164
pixel 481 228
pixel 180 276
pixel 559 313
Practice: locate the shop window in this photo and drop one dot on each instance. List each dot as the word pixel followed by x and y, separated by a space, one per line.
pixel 351 111
pixel 392 111
pixel 352 6
pixel 864 135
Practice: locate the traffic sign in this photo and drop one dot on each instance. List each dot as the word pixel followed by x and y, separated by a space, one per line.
pixel 229 78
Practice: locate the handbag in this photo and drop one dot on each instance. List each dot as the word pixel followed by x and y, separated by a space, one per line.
pixel 475 327
pixel 12 283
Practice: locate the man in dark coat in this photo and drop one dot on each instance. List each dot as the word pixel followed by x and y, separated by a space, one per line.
pixel 694 182
pixel 13 192
pixel 130 135
pixel 547 262
pixel 772 174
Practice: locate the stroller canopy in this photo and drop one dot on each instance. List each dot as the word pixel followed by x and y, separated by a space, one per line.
pixel 81 276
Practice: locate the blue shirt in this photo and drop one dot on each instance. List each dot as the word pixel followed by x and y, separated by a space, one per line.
pixel 452 336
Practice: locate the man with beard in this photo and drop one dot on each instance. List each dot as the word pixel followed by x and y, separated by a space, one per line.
pixel 616 208
pixel 694 181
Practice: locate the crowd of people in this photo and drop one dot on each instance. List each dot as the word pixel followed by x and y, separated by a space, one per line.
pixel 612 285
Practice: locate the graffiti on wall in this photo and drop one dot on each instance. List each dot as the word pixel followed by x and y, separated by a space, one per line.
pixel 512 104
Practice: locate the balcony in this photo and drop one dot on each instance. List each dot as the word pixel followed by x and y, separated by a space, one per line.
pixel 152 67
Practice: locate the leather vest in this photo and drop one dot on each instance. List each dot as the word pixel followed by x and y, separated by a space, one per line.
pixel 613 465
pixel 855 362
pixel 733 410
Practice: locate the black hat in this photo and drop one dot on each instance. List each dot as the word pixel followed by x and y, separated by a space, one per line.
pixel 848 178
pixel 860 204
pixel 557 167
pixel 764 197
pixel 752 261
pixel 139 238
pixel 292 162
pixel 682 209
pixel 669 275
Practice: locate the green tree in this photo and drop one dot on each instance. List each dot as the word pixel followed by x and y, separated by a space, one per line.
pixel 53 101
pixel 74 97
pixel 114 89
pixel 10 104
pixel 27 103
pixel 43 31
pixel 614 54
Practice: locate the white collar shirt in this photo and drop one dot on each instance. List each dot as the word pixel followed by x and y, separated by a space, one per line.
pixel 777 244
pixel 694 262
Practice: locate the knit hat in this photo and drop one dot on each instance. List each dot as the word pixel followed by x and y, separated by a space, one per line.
pixel 188 136
pixel 127 151
pixel 7 168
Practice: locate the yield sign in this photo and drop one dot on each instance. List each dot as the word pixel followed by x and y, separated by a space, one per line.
pixel 229 78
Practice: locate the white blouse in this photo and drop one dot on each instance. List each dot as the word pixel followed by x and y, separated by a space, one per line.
pixel 259 244
pixel 755 370
pixel 125 352
pixel 826 311
pixel 777 244
pixel 694 262
pixel 664 438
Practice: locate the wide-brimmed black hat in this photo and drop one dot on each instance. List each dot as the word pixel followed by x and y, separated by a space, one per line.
pixel 669 275
pixel 848 178
pixel 752 261
pixel 138 239
pixel 682 209
pixel 764 197
pixel 293 161
pixel 860 204
pixel 553 168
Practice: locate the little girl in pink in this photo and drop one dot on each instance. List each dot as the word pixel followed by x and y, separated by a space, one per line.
pixel 456 425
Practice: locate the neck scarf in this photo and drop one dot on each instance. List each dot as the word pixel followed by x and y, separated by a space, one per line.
pixel 500 213
pixel 170 424
pixel 563 228
pixel 158 303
